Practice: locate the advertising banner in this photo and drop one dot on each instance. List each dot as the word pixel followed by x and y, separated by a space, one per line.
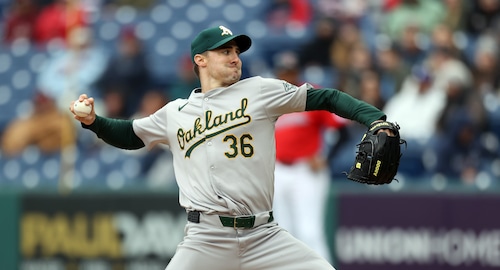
pixel 417 231
pixel 99 231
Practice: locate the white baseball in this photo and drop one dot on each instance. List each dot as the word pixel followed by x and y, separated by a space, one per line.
pixel 81 109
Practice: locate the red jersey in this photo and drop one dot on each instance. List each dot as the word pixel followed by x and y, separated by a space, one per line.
pixel 300 135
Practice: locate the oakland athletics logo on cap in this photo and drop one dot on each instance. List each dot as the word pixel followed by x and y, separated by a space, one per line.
pixel 225 31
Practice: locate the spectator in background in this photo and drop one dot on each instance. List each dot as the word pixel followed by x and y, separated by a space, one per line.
pixel 67 73
pixel 360 61
pixel 456 14
pixel 283 14
pixel 20 21
pixel 348 35
pixel 317 51
pixel 47 128
pixel 486 74
pixel 442 36
pixel 126 77
pixel 74 69
pixel 457 143
pixel 484 15
pixel 486 65
pixel 342 10
pixel 301 174
pixel 57 20
pixel 419 104
pixel 410 47
pixel 392 69
pixel 369 86
pixel 447 69
pixel 407 22
pixel 421 14
pixel 458 146
pixel 185 81
pixel 479 17
pixel 287 23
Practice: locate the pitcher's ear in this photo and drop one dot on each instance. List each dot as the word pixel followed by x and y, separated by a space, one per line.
pixel 200 60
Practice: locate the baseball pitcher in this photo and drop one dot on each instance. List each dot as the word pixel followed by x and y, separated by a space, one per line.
pixel 222 141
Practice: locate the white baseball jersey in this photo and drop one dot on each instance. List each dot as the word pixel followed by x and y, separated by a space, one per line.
pixel 223 143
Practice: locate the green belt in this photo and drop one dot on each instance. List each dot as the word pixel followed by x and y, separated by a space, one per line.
pixel 241 222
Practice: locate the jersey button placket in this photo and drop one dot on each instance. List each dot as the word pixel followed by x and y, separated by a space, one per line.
pixel 205 103
pixel 209 141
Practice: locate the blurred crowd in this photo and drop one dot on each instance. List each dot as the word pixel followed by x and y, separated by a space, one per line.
pixel 431 66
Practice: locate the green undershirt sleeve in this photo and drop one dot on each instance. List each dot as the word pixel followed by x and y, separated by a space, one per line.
pixel 116 132
pixel 343 105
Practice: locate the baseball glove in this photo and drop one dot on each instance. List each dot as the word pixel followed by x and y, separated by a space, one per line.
pixel 378 155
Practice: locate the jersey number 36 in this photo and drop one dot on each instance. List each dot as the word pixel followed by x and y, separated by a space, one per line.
pixel 239 146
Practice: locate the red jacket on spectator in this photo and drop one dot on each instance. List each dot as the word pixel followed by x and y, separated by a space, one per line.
pixel 20 21
pixel 55 20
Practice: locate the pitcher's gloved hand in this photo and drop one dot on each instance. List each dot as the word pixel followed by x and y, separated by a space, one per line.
pixel 378 155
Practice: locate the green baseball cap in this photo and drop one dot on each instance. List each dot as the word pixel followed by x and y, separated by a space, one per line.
pixel 213 38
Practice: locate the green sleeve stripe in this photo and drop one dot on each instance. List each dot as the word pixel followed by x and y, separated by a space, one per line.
pixel 343 105
pixel 116 132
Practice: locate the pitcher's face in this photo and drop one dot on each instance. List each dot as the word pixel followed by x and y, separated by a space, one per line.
pixel 224 64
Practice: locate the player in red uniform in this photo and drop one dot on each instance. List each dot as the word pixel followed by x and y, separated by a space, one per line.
pixel 301 174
